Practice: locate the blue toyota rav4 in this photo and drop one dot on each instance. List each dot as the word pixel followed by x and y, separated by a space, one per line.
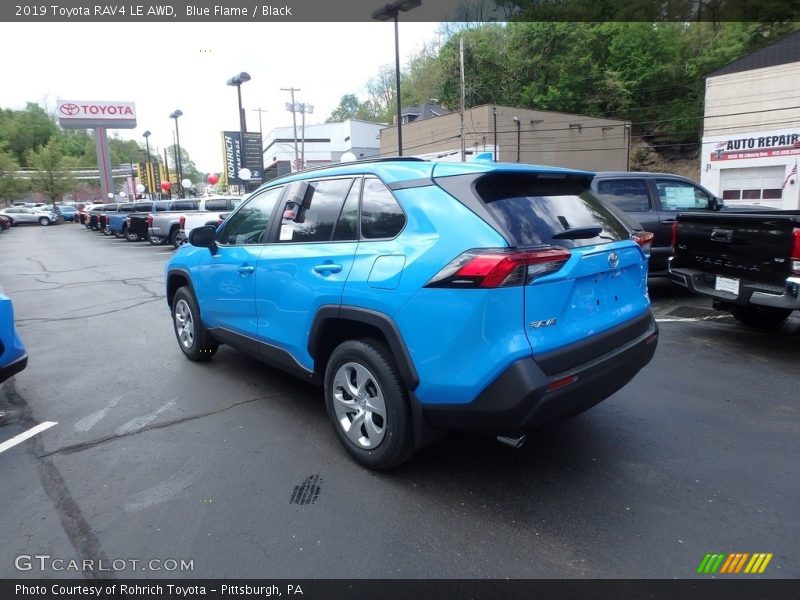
pixel 424 297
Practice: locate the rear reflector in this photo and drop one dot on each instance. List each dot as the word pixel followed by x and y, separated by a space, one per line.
pixel 149 220
pixel 560 383
pixel 674 236
pixel 795 255
pixel 182 221
pixel 499 267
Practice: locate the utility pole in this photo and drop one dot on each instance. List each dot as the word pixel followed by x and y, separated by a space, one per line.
pixel 304 108
pixel 463 95
pixel 259 110
pixel 293 107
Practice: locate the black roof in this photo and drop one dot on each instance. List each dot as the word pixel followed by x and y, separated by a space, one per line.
pixel 783 51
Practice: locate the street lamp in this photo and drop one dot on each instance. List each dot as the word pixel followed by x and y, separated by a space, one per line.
pixel 238 80
pixel 174 115
pixel 146 136
pixel 387 13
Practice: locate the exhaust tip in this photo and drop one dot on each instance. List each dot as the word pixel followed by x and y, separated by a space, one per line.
pixel 515 441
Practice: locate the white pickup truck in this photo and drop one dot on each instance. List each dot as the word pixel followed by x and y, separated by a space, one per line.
pixel 190 220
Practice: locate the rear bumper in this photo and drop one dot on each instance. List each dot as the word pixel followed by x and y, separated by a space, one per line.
pixel 523 397
pixel 750 292
pixel 13 367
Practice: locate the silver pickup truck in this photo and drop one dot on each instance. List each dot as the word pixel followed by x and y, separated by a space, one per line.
pixel 164 227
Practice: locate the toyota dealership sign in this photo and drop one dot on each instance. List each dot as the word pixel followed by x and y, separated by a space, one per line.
pixel 87 114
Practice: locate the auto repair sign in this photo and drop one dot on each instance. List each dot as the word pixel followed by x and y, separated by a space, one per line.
pixel 82 114
pixel 758 145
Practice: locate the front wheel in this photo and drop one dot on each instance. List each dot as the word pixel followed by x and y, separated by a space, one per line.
pixel 368 404
pixel 763 317
pixel 193 338
pixel 44 221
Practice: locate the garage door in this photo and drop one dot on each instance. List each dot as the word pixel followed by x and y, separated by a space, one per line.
pixel 759 186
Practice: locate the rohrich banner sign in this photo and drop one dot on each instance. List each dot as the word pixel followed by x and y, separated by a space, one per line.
pixel 231 156
pixel 89 114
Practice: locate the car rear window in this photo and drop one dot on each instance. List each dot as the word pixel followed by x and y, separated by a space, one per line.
pixel 535 208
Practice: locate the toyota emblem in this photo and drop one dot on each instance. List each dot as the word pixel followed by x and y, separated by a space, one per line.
pixel 613 260
pixel 69 109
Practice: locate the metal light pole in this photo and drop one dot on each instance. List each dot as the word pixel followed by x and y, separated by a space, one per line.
pixel 237 81
pixel 175 114
pixel 519 132
pixel 387 13
pixel 305 109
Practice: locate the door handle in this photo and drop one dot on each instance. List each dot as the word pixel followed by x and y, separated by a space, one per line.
pixel 668 221
pixel 245 270
pixel 328 268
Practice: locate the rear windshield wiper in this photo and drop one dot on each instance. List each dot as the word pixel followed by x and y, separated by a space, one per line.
pixel 578 233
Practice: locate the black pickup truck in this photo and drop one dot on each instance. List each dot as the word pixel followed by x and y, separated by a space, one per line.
pixel 748 263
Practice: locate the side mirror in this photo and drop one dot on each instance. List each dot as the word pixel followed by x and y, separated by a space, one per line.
pixel 203 237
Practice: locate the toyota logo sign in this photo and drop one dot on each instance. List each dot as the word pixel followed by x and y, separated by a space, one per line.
pixel 69 109
pixel 613 260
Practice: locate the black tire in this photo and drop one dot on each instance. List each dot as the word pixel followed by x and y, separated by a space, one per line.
pixel 763 317
pixel 44 221
pixel 192 336
pixel 106 230
pixel 120 234
pixel 174 238
pixel 368 364
pixel 131 236
pixel 156 240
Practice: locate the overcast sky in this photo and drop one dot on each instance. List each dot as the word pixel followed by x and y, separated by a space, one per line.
pixel 165 66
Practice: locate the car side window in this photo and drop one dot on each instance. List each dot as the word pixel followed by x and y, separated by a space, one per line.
pixel 629 195
pixel 679 195
pixel 216 204
pixel 186 205
pixel 381 215
pixel 347 226
pixel 249 224
pixel 316 222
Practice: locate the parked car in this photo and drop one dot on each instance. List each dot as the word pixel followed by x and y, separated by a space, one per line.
pixel 13 357
pixel 654 199
pixel 116 223
pixel 68 212
pixel 748 264
pixel 163 227
pixel 424 297
pixel 88 211
pixel 25 214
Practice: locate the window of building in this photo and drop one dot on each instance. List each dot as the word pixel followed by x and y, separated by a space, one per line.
pixel 751 194
pixel 731 194
pixel 772 194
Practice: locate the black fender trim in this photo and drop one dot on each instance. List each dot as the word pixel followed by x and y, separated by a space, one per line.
pixel 184 273
pixel 369 317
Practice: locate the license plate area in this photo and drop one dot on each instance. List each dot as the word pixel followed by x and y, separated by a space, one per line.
pixel 727 284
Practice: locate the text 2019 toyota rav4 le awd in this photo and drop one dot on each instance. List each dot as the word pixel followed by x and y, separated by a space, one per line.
pixel 424 296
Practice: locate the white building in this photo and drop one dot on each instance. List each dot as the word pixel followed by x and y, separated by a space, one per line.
pixel 751 137
pixel 324 143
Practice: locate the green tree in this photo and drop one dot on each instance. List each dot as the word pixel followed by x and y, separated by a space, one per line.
pixel 11 185
pixel 51 175
pixel 348 108
pixel 188 168
pixel 25 130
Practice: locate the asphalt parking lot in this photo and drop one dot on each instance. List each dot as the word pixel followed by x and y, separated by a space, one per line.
pixel 233 465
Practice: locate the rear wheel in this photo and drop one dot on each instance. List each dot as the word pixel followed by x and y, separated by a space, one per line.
pixel 132 236
pixel 175 238
pixel 156 240
pixel 764 317
pixel 44 221
pixel 368 405
pixel 193 338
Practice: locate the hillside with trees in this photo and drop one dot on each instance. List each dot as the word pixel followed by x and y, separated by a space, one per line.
pixel 651 74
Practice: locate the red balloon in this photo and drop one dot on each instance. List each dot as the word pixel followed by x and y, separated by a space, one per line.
pixel 165 185
pixel 213 179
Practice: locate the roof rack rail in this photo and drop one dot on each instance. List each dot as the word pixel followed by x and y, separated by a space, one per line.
pixel 353 162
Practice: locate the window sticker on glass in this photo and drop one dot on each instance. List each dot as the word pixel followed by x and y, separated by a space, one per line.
pixel 287 232
pixel 679 197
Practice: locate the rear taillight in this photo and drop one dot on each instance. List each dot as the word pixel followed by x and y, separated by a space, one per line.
pixel 644 239
pixel 498 267
pixel 674 236
pixel 795 255
pixel 182 221
pixel 149 220
pixel 128 221
pixel 220 220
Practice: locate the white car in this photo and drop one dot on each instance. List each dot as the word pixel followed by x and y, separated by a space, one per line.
pixel 26 214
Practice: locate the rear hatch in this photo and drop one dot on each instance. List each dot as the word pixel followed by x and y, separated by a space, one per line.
pixel 754 247
pixel 586 287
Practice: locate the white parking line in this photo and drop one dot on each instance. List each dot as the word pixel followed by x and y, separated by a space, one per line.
pixel 18 439
pixel 689 319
